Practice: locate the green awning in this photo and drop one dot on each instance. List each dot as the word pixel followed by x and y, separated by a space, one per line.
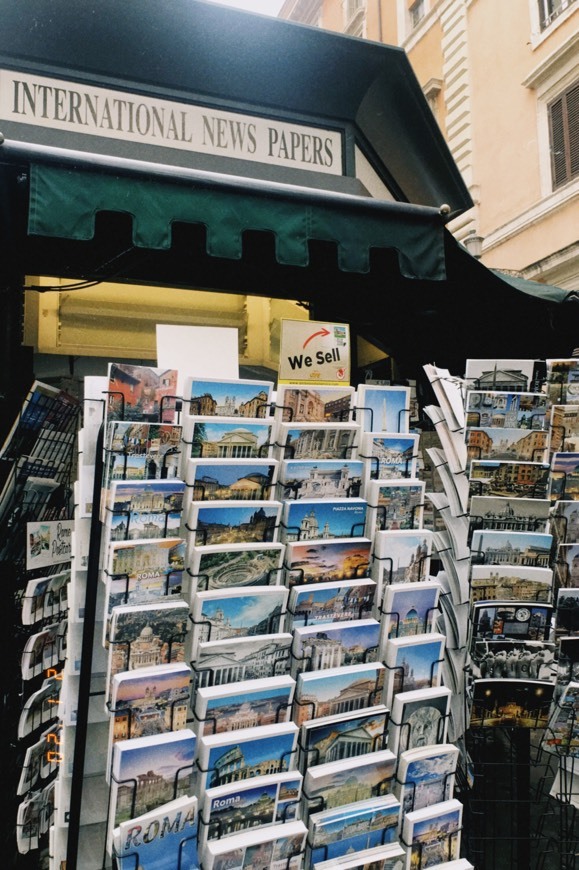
pixel 64 203
pixel 547 292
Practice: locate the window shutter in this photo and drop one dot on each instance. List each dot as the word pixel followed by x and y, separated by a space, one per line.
pixel 564 129
pixel 558 143
pixel 573 127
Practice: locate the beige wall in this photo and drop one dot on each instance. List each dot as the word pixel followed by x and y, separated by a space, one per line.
pixel 492 108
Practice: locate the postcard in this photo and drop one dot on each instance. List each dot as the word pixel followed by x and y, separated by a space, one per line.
pixel 433 834
pixel 301 403
pixel 226 479
pixel 383 409
pixel 234 522
pixel 138 392
pixel 495 477
pixel 152 700
pixel 513 659
pixel 419 718
pixel 249 704
pixel 139 451
pixel 513 548
pixel 401 556
pixel 320 478
pixel 315 519
pixel 144 634
pixel 208 397
pixel 564 429
pixel 160 840
pixel 563 381
pixel 564 481
pixel 521 620
pixel 224 566
pixel 413 663
pixel 335 644
pixel 389 454
pixel 28 823
pixel 567 612
pixel 168 758
pixel 504 410
pixel 510 514
pixel 363 825
pixel 275 848
pixel 395 504
pixel 425 776
pixel 317 441
pixel 246 803
pixel 41 706
pixel 510 703
pixel 409 609
pixel 220 662
pixel 39 760
pixel 331 602
pixel 40 652
pixel 507 582
pixel 144 509
pixel 338 690
pixel 390 857
pixel 565 522
pixel 140 571
pixel 343 736
pixel 350 780
pixel 503 444
pixel 321 561
pixel 567 660
pixel 226 438
pixel 567 565
pixel 562 734
pixel 223 614
pixel 234 756
pixel 506 375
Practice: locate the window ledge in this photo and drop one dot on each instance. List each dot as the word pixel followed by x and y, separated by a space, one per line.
pixel 537 39
pixel 551 203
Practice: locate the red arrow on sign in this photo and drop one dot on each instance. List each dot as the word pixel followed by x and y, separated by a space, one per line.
pixel 323 331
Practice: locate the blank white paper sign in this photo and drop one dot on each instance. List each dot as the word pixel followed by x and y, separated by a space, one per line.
pixel 201 351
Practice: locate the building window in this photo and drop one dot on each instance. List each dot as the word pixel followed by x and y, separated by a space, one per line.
pixel 354 14
pixel 551 9
pixel 564 131
pixel 417 12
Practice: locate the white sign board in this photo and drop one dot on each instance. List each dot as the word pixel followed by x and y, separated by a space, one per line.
pixel 48 543
pixel 73 107
pixel 314 352
pixel 199 351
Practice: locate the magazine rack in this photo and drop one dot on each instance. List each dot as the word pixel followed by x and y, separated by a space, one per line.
pixel 36 466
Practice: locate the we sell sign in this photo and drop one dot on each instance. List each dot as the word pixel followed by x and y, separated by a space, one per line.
pixel 314 352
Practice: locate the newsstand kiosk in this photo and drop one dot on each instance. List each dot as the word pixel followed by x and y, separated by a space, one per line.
pixel 189 145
